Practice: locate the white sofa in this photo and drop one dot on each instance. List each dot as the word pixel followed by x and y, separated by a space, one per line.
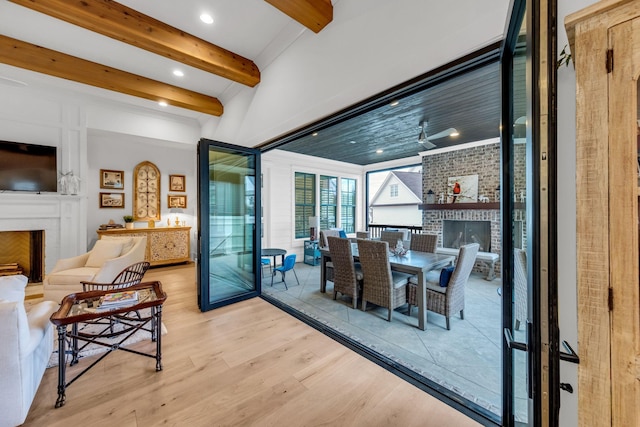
pixel 109 256
pixel 27 344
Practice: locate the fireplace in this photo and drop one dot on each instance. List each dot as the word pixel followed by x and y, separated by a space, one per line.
pixel 22 252
pixel 457 233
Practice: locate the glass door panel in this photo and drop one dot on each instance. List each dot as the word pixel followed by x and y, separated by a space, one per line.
pixel 227 224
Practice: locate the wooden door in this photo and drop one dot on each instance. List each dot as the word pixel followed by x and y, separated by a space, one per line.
pixel 624 43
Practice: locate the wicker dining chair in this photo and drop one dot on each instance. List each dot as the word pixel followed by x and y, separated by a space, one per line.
pixel 347 279
pixel 447 300
pixel 363 235
pixel 380 286
pixel 324 243
pixel 423 242
pixel 391 237
pixel 132 275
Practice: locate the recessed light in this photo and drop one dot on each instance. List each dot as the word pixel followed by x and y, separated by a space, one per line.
pixel 352 142
pixel 178 73
pixel 455 134
pixel 162 103
pixel 314 134
pixel 206 18
pixel 394 103
pixel 378 151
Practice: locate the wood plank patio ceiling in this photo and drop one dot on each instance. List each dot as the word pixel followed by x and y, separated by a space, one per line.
pixel 469 103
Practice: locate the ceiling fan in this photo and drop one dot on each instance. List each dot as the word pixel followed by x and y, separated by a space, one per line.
pixel 426 140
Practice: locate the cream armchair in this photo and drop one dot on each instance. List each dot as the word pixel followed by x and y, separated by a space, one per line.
pixel 27 344
pixel 102 264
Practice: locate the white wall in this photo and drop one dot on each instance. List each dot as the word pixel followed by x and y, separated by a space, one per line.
pixel 566 245
pixel 107 150
pixel 278 171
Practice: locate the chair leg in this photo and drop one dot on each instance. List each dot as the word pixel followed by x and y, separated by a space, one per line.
pixel 283 281
pixel 517 325
pixel 364 305
pixel 335 295
pixel 409 310
pixel 355 301
pixel 389 317
pixel 296 275
pixel 448 325
pixel 462 314
pixel 274 273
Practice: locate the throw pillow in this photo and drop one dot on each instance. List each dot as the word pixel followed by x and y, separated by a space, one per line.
pixel 342 234
pixel 103 250
pixel 12 287
pixel 445 275
pixel 127 242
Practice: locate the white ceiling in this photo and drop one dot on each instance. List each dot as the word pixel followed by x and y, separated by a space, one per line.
pixel 405 38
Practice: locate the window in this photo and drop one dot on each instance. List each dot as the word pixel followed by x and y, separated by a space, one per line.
pixel 348 205
pixel 305 196
pixel 328 201
pixel 393 188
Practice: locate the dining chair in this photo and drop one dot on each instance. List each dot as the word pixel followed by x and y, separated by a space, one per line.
pixel 423 242
pixel 391 237
pixel 288 265
pixel 449 299
pixel 347 279
pixel 380 286
pixel 363 235
pixel 324 243
pixel 265 262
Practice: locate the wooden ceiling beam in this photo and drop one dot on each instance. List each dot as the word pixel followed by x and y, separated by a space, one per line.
pixel 313 14
pixel 130 26
pixel 36 58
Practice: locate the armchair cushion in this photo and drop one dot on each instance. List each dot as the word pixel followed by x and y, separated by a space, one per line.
pixel 445 275
pixel 102 251
pixel 73 275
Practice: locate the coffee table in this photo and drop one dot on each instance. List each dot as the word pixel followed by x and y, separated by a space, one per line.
pixel 83 307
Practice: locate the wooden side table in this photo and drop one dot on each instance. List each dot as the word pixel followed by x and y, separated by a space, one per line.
pixel 83 307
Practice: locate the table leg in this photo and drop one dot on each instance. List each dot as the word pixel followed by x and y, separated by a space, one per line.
pixel 62 335
pixel 158 332
pixel 323 274
pixel 422 302
pixel 74 344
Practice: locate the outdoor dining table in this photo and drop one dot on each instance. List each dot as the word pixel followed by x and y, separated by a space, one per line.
pixel 275 253
pixel 413 262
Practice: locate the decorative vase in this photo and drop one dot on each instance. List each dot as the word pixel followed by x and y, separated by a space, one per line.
pixel 128 225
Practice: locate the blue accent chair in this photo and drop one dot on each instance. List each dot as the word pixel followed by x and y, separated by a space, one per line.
pixel 289 264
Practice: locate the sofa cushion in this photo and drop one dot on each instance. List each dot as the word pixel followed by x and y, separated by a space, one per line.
pixel 72 276
pixel 12 287
pixel 103 251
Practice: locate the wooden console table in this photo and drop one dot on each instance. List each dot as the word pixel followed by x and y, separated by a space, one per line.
pixel 165 245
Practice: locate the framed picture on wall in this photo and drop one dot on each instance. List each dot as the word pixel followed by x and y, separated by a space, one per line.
pixel 177 183
pixel 112 200
pixel 111 179
pixel 177 201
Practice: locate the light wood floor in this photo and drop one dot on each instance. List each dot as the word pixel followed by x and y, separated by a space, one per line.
pixel 246 364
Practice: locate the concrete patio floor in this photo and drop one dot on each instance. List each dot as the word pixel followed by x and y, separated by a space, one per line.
pixel 465 359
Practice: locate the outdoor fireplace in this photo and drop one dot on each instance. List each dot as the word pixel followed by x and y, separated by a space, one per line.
pixel 457 233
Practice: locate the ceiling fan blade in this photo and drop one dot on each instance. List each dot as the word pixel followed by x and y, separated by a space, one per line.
pixel 428 144
pixel 442 134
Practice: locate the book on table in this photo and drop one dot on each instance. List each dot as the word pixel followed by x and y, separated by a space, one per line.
pixel 117 299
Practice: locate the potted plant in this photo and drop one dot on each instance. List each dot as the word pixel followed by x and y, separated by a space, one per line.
pixel 128 221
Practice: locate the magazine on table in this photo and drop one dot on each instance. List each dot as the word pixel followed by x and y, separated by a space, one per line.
pixel 117 299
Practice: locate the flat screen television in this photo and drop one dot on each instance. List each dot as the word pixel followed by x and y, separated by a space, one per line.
pixel 28 167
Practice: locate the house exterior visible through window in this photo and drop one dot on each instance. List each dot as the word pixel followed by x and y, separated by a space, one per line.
pixel 393 189
pixel 348 204
pixel 305 199
pixel 328 201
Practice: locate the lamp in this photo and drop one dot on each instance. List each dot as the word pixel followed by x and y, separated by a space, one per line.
pixel 314 224
pixel 176 211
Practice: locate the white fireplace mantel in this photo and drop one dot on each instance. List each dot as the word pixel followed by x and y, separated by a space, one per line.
pixel 63 219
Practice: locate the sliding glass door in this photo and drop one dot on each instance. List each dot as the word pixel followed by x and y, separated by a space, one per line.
pixel 229 243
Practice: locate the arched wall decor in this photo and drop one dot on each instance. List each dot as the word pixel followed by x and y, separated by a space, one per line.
pixel 146 192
